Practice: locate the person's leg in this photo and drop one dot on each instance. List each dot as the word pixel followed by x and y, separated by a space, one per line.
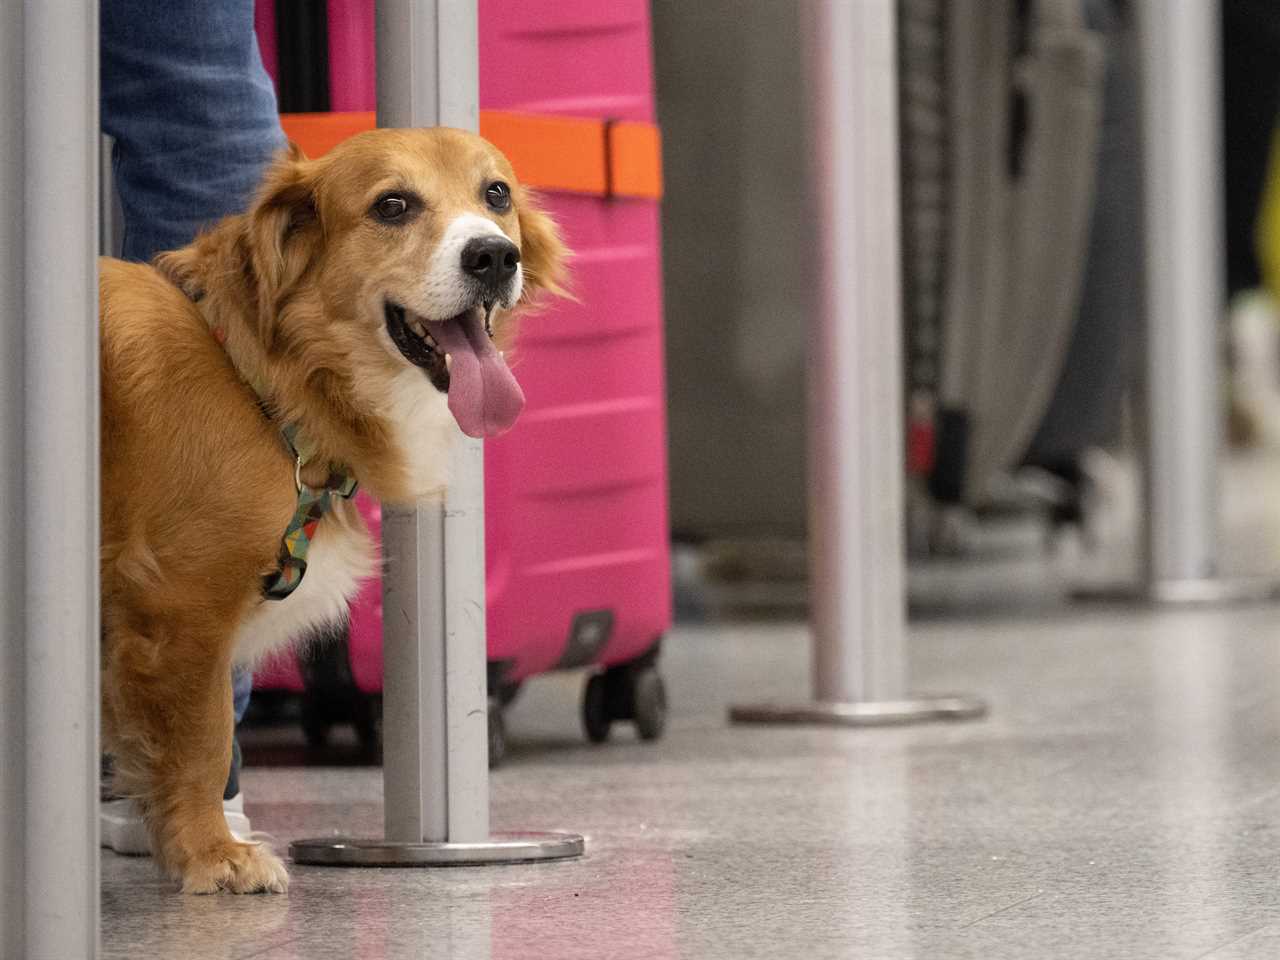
pixel 193 115
pixel 192 111
pixel 241 688
pixel 122 827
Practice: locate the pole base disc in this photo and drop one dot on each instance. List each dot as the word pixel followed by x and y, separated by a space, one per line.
pixel 870 713
pixel 501 848
pixel 1201 592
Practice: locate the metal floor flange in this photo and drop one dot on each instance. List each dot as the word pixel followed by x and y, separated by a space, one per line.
pixel 869 713
pixel 855 416
pixel 501 848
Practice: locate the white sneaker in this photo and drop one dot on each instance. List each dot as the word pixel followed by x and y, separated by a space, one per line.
pixel 124 832
pixel 238 823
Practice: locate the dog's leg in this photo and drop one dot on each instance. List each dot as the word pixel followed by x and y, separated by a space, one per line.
pixel 170 732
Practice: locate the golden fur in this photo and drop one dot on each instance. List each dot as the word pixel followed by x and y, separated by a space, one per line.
pixel 196 485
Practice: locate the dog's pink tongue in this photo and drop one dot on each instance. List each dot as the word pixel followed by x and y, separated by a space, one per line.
pixel 483 395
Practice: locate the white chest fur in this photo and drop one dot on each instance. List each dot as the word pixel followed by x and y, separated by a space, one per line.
pixel 340 558
pixel 423 430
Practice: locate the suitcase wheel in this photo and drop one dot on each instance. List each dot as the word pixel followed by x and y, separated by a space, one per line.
pixel 595 708
pixel 649 704
pixel 634 692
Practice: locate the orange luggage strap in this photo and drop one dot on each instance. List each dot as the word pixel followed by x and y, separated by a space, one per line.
pixel 600 158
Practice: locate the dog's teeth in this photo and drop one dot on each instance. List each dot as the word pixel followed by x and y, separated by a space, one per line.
pixel 448 361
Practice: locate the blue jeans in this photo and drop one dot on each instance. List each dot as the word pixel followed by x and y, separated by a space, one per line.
pixel 192 111
pixel 193 115
pixel 241 688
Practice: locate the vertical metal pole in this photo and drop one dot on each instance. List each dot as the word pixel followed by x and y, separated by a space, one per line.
pixel 435 769
pixel 1180 51
pixel 855 412
pixel 466 655
pixel 435 756
pixel 59 623
pixel 415 687
pixel 428 75
pixel 12 510
pixel 414 755
pixel 856 395
pixel 1181 83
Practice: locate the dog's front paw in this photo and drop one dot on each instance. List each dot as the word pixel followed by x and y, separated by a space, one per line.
pixel 236 867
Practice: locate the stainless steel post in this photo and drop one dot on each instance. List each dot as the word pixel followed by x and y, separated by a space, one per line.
pixel 13 526
pixel 1181 73
pixel 435 686
pixel 855 414
pixel 49 494
pixel 1185 289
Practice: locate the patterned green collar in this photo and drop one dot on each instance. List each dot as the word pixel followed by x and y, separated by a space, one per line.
pixel 313 504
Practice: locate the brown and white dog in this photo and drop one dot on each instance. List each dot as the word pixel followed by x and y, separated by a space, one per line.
pixel 353 302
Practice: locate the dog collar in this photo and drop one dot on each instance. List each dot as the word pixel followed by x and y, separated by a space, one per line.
pixel 313 503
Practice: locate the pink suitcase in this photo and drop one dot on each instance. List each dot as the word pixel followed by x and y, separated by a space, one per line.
pixel 577 544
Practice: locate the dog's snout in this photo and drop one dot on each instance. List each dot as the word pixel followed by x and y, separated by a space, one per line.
pixel 491 260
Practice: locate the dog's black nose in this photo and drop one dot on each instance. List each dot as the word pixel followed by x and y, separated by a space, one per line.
pixel 491 260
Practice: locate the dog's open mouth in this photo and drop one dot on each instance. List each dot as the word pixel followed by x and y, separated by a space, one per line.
pixel 412 338
pixel 459 358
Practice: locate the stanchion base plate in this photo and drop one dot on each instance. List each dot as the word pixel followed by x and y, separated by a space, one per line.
pixel 1206 592
pixel 870 713
pixel 501 848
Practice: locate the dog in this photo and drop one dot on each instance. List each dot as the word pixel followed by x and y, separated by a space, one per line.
pixel 333 334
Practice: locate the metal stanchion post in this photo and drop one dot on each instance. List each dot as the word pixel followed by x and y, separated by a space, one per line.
pixel 435 727
pixel 49 480
pixel 12 522
pixel 856 415
pixel 1185 300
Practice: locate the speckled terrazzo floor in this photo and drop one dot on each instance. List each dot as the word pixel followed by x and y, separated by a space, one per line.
pixel 1122 801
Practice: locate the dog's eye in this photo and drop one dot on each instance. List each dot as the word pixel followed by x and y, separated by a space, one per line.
pixel 498 196
pixel 391 207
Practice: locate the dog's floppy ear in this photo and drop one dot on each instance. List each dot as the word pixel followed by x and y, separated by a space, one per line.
pixel 542 253
pixel 283 224
pixel 184 266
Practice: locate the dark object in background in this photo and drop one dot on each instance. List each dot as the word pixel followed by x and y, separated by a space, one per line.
pixel 302 43
pixel 631 692
pixel 332 696
pixel 1251 106
pixel 1007 205
pixel 1102 360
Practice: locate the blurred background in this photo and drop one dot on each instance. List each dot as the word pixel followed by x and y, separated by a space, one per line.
pixel 1022 253
pixel 1022 261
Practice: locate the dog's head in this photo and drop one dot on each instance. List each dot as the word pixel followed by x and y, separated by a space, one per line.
pixel 404 249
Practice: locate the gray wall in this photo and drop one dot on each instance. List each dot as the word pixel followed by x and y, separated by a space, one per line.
pixel 736 246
